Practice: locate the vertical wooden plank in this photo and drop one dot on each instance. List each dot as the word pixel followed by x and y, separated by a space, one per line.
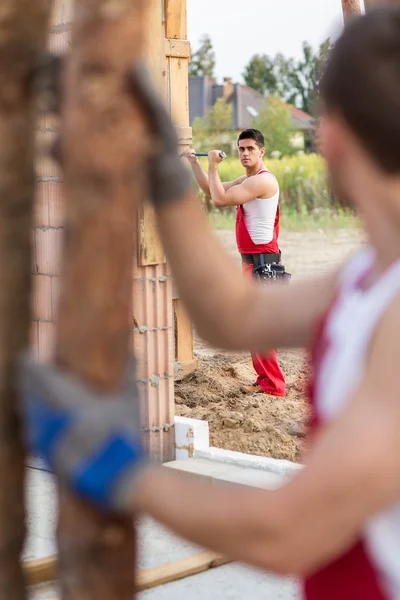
pixel 150 248
pixel 370 4
pixel 176 19
pixel 178 55
pixel 154 50
pixel 103 186
pixel 185 363
pixel 151 251
pixel 351 8
pixel 23 30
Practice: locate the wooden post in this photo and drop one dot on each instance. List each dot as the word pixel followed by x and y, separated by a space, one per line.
pixel 150 248
pixel 370 4
pixel 178 56
pixel 22 38
pixel 103 185
pixel 351 8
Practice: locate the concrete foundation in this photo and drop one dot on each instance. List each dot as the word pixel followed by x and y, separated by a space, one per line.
pixel 157 545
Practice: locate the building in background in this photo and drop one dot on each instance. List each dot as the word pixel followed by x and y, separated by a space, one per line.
pixel 246 104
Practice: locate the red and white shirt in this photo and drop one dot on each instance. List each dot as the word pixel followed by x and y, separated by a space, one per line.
pixel 257 225
pixel 371 569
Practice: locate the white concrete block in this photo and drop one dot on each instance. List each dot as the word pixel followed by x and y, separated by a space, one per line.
pixel 190 435
pixel 216 473
pixel 264 463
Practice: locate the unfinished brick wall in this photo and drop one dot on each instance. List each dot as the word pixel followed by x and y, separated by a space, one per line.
pixel 48 233
pixel 152 318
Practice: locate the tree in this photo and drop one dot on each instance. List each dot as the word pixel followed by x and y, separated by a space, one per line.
pixel 304 75
pixel 260 74
pixel 203 60
pixel 217 120
pixel 274 121
pixel 296 82
pixel 219 117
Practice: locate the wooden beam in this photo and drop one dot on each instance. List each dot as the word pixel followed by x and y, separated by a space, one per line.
pixel 370 4
pixel 178 56
pixel 45 570
pixel 351 8
pixel 151 251
pixel 103 187
pixel 23 33
pixel 177 48
pixel 176 19
pixel 179 569
pixel 183 333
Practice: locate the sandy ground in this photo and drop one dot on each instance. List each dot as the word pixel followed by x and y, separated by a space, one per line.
pixel 261 424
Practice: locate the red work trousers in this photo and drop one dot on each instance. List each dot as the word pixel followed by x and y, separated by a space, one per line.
pixel 269 374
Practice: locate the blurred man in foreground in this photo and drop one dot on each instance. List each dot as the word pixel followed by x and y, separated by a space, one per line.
pixel 336 524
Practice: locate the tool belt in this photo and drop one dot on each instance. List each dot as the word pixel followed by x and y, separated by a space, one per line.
pixel 267 267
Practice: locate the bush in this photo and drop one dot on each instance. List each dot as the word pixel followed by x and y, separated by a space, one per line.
pixel 275 121
pixel 302 180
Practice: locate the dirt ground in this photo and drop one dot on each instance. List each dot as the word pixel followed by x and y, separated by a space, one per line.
pixel 261 424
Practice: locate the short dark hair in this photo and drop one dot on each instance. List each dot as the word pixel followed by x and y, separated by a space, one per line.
pixel 252 134
pixel 361 83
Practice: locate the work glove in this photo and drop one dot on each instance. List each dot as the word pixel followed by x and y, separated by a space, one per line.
pixel 92 441
pixel 168 178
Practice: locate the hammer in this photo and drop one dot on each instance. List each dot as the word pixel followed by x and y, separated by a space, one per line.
pixel 221 155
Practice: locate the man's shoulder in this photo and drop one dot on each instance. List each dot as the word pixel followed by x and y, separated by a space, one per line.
pixel 266 182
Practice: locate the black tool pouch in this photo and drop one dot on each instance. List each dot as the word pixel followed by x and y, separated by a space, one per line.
pixel 268 273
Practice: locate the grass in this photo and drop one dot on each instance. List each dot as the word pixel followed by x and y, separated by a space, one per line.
pixel 305 196
pixel 292 220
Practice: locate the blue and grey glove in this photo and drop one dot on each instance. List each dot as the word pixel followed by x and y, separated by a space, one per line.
pixel 169 179
pixel 92 441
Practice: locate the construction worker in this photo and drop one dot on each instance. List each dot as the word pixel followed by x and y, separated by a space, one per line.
pixel 336 524
pixel 256 197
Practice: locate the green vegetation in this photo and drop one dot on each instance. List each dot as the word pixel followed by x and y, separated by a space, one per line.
pixel 306 200
pixel 210 131
pixel 295 81
pixel 203 60
pixel 294 221
pixel 275 122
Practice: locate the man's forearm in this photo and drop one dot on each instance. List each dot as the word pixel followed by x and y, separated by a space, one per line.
pixel 217 190
pixel 209 281
pixel 223 519
pixel 229 310
pixel 201 177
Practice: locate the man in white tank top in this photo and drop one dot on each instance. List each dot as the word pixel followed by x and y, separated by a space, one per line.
pixel 256 196
pixel 336 523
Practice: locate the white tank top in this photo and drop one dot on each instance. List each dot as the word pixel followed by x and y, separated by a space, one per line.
pixel 349 330
pixel 259 216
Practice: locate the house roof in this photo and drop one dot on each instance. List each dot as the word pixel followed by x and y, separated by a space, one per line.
pixel 301 119
pixel 246 102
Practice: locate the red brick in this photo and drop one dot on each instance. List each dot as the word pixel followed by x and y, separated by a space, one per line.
pixel 34 339
pixel 42 305
pixel 48 251
pixel 42 206
pixel 56 204
pixel 46 336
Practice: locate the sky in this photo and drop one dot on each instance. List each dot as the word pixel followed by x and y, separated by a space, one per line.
pixel 241 28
